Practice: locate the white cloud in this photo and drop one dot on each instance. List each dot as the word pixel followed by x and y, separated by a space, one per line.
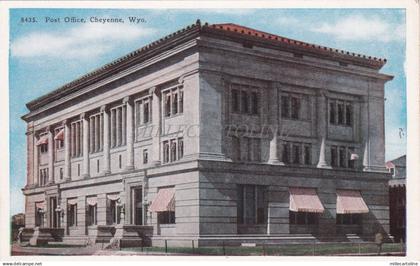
pixel 85 41
pixel 288 21
pixel 362 28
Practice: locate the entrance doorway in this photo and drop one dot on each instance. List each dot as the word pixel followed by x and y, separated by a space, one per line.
pixel 137 206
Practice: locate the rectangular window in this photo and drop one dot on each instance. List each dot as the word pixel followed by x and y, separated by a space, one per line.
pixel 251 204
pixel 255 103
pixel 72 215
pixel 166 217
pixel 350 160
pixel 342 155
pixel 91 215
pixel 137 205
pixel 143 110
pixel 96 133
pixel 78 169
pixel 43 148
pixel 145 156
pixel 340 113
pixel 296 153
pixel 173 150
pixel 303 218
pixel 235 101
pixel 295 104
pixel 334 156
pixel 97 166
pixel 349 219
pixel 286 153
pixel 61 174
pixel 113 211
pixel 43 177
pixel 59 142
pixel 180 148
pixel 245 102
pixel 166 151
pixel 236 149
pixel 307 154
pixel 332 113
pixel 118 126
pixel 120 161
pixel 285 107
pixel 349 114
pixel 173 101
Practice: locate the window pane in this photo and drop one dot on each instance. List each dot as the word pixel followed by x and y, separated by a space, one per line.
pixel 332 113
pixel 285 108
pixel 340 107
pixel 167 104
pixel 173 150
pixel 334 156
pixel 235 100
pixel 286 158
pixel 181 101
pixel 236 149
pixel 307 155
pixel 180 148
pixel 245 102
pixel 174 103
pixel 349 114
pixel 342 157
pixel 295 102
pixel 255 103
pixel 296 154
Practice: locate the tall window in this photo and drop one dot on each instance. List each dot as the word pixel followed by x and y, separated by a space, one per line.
pixel 341 156
pixel 91 214
pixel 39 216
pixel 143 108
pixel 297 153
pixel 290 107
pixel 246 149
pixel 58 139
pixel 137 205
pixel 173 101
pixel 76 132
pixel 43 177
pixel 251 204
pixel 145 156
pixel 118 126
pixel 340 112
pixel 72 215
pixel 245 100
pixel 113 210
pixel 173 150
pixel 96 132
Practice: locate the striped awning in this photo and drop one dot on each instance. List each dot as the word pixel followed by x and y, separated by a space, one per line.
pixel 113 197
pixel 60 135
pixel 164 200
pixel 350 201
pixel 305 200
pixel 42 140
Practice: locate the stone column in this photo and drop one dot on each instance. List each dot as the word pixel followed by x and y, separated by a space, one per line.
pixel 273 155
pixel 36 160
pixel 322 129
pixel 365 132
pixel 85 145
pixel 129 133
pixel 30 153
pixel 50 156
pixel 106 167
pixel 67 165
pixel 156 128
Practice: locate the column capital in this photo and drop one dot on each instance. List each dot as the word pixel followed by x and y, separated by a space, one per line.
pixel 153 90
pixel 104 108
pixel 48 129
pixel 181 79
pixel 83 115
pixel 127 99
pixel 65 122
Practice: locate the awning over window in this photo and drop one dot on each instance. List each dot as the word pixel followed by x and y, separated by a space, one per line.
pixel 40 205
pixel 91 201
pixel 42 140
pixel 350 201
pixel 60 135
pixel 72 201
pixel 305 200
pixel 164 200
pixel 113 196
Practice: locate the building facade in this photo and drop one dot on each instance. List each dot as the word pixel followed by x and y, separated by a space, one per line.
pixel 213 133
pixel 397 197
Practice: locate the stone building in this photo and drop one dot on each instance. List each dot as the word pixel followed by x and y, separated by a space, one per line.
pixel 213 133
pixel 397 197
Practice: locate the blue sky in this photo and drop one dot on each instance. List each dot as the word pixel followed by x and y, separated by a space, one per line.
pixel 44 56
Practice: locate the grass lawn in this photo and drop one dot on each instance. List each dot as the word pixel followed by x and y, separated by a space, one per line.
pixel 281 250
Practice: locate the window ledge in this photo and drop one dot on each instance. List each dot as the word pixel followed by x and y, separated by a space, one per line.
pixel 167 225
